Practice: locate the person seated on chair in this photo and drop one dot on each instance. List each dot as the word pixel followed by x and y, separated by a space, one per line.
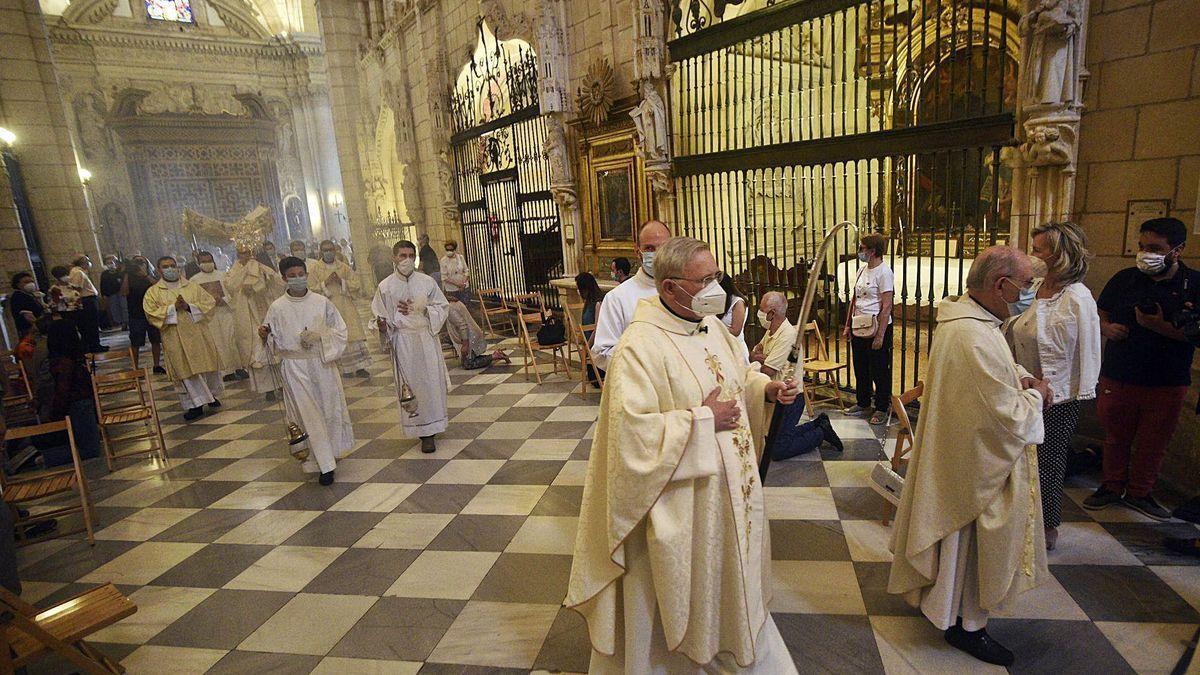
pixel 468 339
pixel 590 293
pixel 65 389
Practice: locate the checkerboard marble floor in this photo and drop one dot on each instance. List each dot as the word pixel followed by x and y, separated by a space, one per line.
pixel 458 561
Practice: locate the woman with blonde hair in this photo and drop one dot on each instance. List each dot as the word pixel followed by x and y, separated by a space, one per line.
pixel 1057 338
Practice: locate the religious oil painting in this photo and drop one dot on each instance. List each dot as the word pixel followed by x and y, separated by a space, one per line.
pixel 170 10
pixel 615 191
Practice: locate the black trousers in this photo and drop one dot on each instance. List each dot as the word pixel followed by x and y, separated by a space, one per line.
pixel 873 371
pixel 88 321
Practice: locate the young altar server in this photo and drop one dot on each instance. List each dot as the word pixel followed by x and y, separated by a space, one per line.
pixel 409 310
pixel 180 311
pixel 306 332
pixel 335 280
pixel 222 320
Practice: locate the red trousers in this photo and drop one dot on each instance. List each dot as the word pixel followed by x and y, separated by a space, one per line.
pixel 1136 415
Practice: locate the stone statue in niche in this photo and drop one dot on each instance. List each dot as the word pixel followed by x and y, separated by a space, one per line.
pixel 557 154
pixel 96 140
pixel 446 177
pixel 1051 32
pixel 1046 146
pixel 650 119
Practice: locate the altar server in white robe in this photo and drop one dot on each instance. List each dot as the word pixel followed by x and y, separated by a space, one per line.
pixel 409 310
pixel 619 304
pixel 252 288
pixel 968 534
pixel 306 332
pixel 671 569
pixel 221 321
pixel 335 280
pixel 180 310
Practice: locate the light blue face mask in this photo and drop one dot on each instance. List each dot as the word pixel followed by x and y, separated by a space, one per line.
pixel 297 283
pixel 864 257
pixel 648 263
pixel 1024 301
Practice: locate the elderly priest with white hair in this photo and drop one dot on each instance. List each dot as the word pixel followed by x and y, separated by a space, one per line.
pixel 968 535
pixel 672 555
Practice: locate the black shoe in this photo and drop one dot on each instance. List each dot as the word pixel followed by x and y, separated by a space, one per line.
pixel 1101 499
pixel 980 645
pixel 193 413
pixel 1186 546
pixel 229 378
pixel 1147 507
pixel 326 478
pixel 214 405
pixel 270 397
pixel 427 445
pixel 97 349
pixel 362 372
pixel 241 374
pixel 830 436
pixel 159 370
pixel 38 529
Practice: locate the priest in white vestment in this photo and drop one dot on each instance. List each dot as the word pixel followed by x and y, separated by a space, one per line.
pixel 252 287
pixel 616 312
pixel 335 280
pixel 221 321
pixel 180 310
pixel 672 556
pixel 968 534
pixel 306 333
pixel 409 310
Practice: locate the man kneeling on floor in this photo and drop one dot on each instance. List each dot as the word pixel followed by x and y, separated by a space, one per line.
pixel 468 338
pixel 307 333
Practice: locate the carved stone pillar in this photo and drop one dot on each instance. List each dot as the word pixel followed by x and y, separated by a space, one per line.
pixel 650 115
pixel 555 100
pixel 1048 108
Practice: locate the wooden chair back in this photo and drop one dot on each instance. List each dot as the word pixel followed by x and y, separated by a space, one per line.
pixel 36 485
pixel 138 406
pixel 577 334
pixel 905 433
pixel 61 629
pixel 113 359
pixel 821 371
pixel 493 304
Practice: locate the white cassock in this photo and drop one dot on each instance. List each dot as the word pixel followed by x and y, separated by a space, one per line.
pixel 615 314
pixel 416 348
pixel 221 320
pixel 311 382
pixel 968 533
pixel 671 568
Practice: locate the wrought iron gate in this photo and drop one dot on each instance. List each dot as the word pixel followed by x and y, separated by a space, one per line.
pixel 893 114
pixel 510 221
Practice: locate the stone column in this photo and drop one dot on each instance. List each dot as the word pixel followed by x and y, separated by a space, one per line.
pixel 650 115
pixel 1050 81
pixel 555 101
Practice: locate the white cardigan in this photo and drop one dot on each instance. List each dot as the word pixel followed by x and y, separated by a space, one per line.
pixel 1059 337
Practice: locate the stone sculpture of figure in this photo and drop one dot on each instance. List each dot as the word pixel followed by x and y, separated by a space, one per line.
pixel 650 118
pixel 1046 147
pixel 555 149
pixel 1051 31
pixel 445 176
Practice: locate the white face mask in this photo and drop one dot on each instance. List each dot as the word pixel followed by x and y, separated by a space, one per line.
pixel 297 283
pixel 30 288
pixel 406 266
pixel 207 266
pixel 762 319
pixel 648 263
pixel 1151 263
pixel 710 301
pixel 170 274
pixel 1040 268
pixel 63 279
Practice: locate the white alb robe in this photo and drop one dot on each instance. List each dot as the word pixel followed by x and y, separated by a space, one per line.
pixel 671 568
pixel 221 320
pixel 416 348
pixel 615 314
pixel 968 533
pixel 312 385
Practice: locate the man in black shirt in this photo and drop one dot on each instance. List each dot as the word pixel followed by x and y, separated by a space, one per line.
pixel 110 288
pixel 1146 369
pixel 429 260
pixel 25 303
pixel 137 282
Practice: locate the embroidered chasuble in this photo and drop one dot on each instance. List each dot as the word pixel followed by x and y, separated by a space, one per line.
pixel 252 286
pixel 672 555
pixel 221 321
pixel 341 292
pixel 186 341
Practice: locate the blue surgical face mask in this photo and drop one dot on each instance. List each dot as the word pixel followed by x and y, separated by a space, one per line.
pixel 1024 300
pixel 864 257
pixel 648 262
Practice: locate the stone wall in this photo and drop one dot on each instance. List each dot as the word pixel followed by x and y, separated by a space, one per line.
pixel 1140 140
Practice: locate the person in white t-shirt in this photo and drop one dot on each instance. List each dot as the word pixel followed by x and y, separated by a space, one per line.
pixel 869 329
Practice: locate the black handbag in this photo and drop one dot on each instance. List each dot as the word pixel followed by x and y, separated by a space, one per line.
pixel 552 331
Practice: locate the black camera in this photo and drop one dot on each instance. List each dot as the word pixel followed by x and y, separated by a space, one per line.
pixel 1187 320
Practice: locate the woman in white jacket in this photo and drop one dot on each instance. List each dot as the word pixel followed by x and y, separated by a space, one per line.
pixel 1058 339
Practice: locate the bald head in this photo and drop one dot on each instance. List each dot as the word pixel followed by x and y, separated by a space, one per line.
pixel 653 234
pixel 773 301
pixel 998 276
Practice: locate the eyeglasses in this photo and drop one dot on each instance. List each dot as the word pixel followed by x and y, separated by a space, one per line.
pixel 717 276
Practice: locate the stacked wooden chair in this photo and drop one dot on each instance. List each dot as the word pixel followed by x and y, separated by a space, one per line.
pixel 18 397
pixel 127 409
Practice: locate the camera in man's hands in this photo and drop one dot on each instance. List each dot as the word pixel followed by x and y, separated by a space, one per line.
pixel 1187 320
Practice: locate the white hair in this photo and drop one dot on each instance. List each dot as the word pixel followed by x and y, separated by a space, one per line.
pixel 994 262
pixel 673 256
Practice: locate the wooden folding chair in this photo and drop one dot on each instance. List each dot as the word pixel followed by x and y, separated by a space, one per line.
pixel 577 334
pixel 113 361
pixel 31 634
pixel 35 486
pixel 530 310
pixel 904 434
pixel 18 397
pixel 820 372
pixel 139 408
pixel 492 303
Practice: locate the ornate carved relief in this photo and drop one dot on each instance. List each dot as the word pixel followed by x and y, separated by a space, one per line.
pixel 650 46
pixel 506 26
pixel 239 16
pixel 190 100
pixel 1049 143
pixel 553 88
pixel 595 96
pixel 89 11
pixel 558 154
pixel 94 137
pixel 1051 32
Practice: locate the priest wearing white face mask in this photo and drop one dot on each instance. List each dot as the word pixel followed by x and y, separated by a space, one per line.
pixel 180 310
pixel 409 311
pixel 672 554
pixel 617 309
pixel 222 319
pixel 335 280
pixel 307 333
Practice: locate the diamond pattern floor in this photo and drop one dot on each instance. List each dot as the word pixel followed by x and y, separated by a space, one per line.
pixel 447 562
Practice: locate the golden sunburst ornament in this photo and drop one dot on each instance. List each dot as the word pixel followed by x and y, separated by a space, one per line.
pixel 595 98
